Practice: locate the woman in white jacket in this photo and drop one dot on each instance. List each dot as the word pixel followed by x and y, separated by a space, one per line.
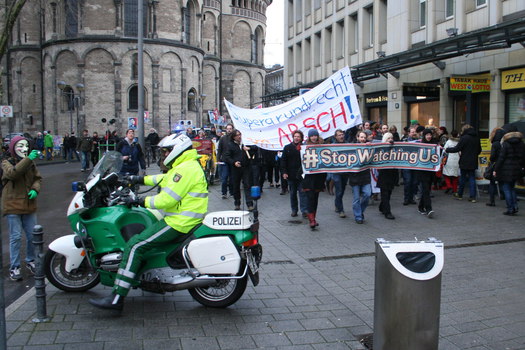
pixel 451 168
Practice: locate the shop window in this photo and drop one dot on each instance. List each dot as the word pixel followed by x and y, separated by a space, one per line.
pixel 516 106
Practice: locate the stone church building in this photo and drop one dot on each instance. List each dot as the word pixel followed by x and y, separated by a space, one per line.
pixel 72 63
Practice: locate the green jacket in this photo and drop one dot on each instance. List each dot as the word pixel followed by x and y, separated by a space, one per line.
pixel 18 179
pixel 184 193
pixel 48 140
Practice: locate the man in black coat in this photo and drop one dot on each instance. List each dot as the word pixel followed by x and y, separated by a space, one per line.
pixel 291 170
pixel 470 147
pixel 238 157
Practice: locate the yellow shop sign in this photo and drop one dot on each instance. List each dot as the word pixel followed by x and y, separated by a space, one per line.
pixel 471 84
pixel 513 79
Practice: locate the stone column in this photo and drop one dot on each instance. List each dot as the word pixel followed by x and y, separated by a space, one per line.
pixel 155 108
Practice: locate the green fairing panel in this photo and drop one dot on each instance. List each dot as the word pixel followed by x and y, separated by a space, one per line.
pixel 104 225
pixel 239 236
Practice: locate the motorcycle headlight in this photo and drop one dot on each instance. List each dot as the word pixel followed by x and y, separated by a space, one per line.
pixel 81 230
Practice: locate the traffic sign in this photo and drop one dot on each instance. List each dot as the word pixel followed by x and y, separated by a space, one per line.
pixel 6 111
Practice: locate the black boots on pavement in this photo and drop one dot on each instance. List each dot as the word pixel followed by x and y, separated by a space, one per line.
pixel 111 302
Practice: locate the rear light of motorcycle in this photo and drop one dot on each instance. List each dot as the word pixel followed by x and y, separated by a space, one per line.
pixel 254 228
pixel 251 242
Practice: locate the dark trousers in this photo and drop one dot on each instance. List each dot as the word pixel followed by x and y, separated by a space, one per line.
pixel 312 198
pixel 244 175
pixel 409 185
pixel 425 203
pixel 384 205
pixel 224 174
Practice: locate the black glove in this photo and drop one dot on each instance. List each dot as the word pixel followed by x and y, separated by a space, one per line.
pixel 134 179
pixel 137 202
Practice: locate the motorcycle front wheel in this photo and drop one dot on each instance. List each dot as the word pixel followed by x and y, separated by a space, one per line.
pixel 78 280
pixel 222 293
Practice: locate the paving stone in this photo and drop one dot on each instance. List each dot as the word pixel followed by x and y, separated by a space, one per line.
pixel 199 343
pixel 236 342
pixel 274 339
pixel 305 337
pixel 42 337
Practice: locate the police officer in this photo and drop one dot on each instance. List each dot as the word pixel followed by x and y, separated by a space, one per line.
pixel 183 198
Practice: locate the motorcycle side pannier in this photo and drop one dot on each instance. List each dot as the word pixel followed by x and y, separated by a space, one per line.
pixel 214 255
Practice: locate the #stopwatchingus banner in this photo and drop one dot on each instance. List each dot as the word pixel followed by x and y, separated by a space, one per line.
pixel 333 158
pixel 329 106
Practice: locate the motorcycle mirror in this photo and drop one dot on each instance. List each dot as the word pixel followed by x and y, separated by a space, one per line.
pixel 112 121
pixel 103 120
pixel 78 186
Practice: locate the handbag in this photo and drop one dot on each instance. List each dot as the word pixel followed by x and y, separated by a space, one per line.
pixel 487 174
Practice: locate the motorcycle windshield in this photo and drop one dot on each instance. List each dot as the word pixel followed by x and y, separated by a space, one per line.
pixel 111 162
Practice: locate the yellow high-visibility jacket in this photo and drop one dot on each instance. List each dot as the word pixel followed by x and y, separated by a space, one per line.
pixel 184 192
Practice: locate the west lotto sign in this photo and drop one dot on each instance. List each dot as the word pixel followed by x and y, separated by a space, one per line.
pixel 6 111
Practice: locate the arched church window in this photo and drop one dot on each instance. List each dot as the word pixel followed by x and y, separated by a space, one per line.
pixel 71 14
pixel 133 98
pixel 135 66
pixel 131 18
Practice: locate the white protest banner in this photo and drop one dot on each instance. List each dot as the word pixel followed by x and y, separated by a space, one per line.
pixel 329 106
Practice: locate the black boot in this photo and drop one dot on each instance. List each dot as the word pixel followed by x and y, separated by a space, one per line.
pixel 111 302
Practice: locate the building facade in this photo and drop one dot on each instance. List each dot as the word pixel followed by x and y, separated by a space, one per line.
pixel 72 63
pixel 484 87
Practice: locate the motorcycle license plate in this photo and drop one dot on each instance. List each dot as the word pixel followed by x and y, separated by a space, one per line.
pixel 251 262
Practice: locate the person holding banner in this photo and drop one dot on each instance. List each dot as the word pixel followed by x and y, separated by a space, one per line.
pixel 361 189
pixel 291 170
pixel 386 181
pixel 426 177
pixel 340 179
pixel 313 183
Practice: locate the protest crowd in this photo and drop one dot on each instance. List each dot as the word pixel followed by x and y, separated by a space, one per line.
pixel 455 176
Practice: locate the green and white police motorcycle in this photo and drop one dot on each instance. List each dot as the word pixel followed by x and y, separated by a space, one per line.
pixel 213 261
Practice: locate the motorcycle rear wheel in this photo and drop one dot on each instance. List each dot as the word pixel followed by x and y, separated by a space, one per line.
pixel 221 294
pixel 78 280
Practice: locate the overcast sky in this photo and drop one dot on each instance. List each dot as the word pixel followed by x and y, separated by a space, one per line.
pixel 273 50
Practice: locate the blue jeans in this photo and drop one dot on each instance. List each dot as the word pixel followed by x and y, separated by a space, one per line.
pixel 49 153
pixel 224 173
pixel 409 185
pixel 85 159
pixel 467 175
pixel 510 196
pixel 295 186
pixel 340 181
pixel 361 194
pixel 16 223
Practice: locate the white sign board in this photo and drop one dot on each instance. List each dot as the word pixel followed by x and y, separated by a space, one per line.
pixel 6 111
pixel 329 106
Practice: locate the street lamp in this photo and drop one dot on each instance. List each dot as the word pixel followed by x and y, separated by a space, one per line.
pixel 73 100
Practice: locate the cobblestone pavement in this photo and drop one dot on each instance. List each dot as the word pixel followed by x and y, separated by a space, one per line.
pixel 317 287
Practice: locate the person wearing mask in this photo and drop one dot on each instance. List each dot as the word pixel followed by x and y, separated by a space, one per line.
pixel 361 189
pixel 21 185
pixel 386 181
pixel 426 178
pixel 340 179
pixel 184 211
pixel 132 155
pixel 313 183
pixel 153 139
pixel 292 170
pixel 85 146
pixel 469 147
pixel 224 168
pixel 237 155
pixel 510 167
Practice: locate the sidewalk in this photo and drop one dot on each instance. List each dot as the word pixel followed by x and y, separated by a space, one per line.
pixel 317 287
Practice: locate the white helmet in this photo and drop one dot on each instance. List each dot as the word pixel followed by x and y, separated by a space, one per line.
pixel 177 144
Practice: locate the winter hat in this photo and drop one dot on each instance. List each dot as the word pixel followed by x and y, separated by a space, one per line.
pixel 420 128
pixel 12 144
pixel 313 132
pixel 425 132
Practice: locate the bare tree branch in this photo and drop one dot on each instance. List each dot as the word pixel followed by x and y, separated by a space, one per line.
pixel 11 15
